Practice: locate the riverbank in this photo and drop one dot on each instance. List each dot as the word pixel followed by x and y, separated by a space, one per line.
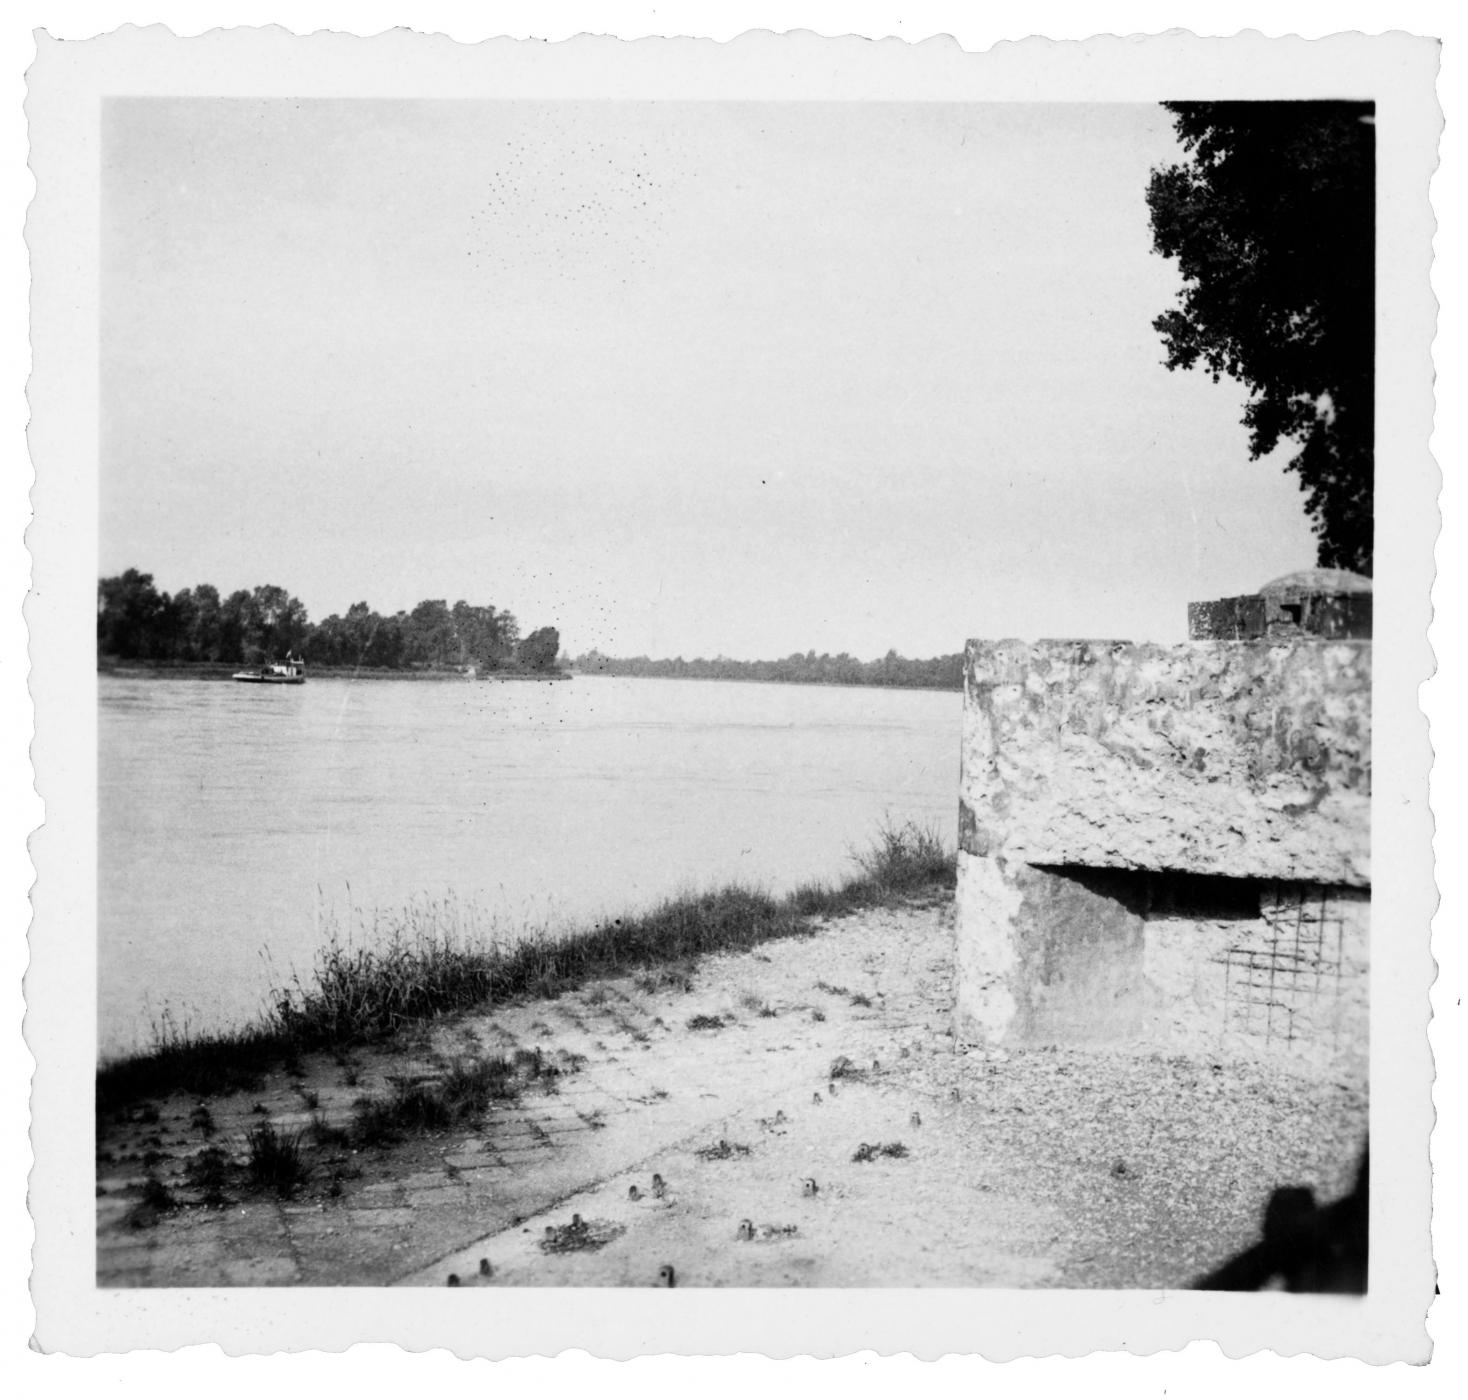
pixel 790 1114
pixel 361 994
pixel 220 671
pixel 224 671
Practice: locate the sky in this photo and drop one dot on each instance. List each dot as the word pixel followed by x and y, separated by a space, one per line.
pixel 694 379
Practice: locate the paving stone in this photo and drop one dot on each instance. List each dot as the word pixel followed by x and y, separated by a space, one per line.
pixel 520 1156
pixel 387 1218
pixel 119 1258
pixel 195 1253
pixel 420 1181
pixel 119 1185
pixel 257 1273
pixel 468 1161
pixel 510 1134
pixel 491 1180
pixel 200 1223
pixel 380 1193
pixel 316 1226
pixel 254 1236
pixel 111 1214
pixel 437 1196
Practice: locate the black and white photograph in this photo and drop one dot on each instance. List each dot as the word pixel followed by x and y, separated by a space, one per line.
pixel 753 692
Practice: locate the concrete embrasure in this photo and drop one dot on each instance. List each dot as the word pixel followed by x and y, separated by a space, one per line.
pixel 1005 1173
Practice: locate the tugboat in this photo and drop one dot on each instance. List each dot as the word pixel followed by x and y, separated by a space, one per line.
pixel 291 671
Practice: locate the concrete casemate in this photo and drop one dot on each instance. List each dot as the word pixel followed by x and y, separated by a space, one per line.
pixel 1169 846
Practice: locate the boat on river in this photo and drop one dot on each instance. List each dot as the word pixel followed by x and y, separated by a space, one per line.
pixel 291 671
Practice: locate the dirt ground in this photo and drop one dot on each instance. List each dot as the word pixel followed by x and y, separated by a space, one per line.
pixel 806 1114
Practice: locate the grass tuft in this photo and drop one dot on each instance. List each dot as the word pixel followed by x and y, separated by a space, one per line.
pixel 325 1133
pixel 276 1162
pixel 906 859
pixel 373 1123
pixel 157 1201
pixel 466 1089
pixel 210 1171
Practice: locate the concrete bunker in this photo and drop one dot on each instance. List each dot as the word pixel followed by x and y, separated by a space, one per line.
pixel 1168 847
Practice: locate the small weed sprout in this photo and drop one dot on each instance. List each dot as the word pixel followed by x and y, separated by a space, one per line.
pixel 722 1151
pixel 869 1152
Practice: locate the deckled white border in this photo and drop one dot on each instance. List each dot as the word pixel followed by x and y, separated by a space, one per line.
pixel 76 1317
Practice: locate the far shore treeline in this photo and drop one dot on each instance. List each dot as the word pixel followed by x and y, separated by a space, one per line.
pixel 936 673
pixel 137 622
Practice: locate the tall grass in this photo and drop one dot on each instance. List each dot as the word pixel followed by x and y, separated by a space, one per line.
pixel 906 859
pixel 362 993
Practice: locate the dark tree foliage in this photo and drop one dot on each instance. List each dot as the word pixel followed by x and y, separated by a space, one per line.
pixel 1272 220
pixel 131 615
pixel 538 650
pixel 135 622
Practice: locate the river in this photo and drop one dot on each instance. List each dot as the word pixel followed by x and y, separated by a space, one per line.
pixel 239 825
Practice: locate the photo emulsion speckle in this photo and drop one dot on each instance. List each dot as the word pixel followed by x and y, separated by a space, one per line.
pixel 736 693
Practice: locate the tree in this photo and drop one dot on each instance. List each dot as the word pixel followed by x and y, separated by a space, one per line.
pixel 203 637
pixel 428 634
pixel 1272 220
pixel 129 612
pixel 359 631
pixel 279 622
pixel 538 650
pixel 237 627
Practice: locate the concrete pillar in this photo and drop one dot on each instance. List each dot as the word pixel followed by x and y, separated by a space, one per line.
pixel 1048 955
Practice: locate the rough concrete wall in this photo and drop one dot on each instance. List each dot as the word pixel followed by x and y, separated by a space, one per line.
pixel 1291 985
pixel 1249 759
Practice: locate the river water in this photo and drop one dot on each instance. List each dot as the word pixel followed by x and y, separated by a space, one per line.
pixel 238 825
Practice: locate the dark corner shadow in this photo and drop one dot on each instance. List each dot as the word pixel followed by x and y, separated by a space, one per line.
pixel 1306 1248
